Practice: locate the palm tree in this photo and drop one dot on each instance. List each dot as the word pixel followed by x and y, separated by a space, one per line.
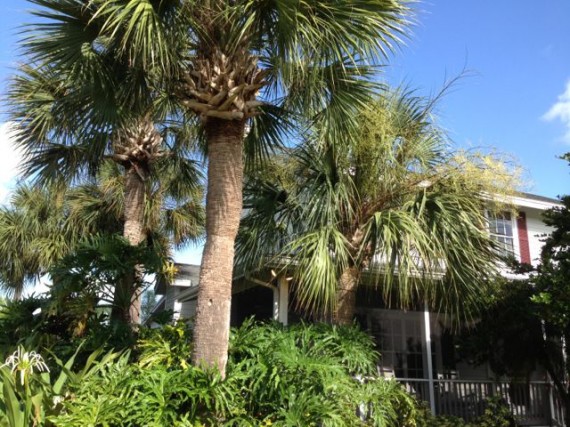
pixel 81 100
pixel 42 225
pixel 32 236
pixel 394 208
pixel 173 214
pixel 256 64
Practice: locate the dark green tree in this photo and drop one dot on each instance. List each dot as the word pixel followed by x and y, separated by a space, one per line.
pixel 527 322
pixel 552 298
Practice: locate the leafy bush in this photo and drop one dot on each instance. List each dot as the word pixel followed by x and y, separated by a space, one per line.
pixel 496 414
pixel 304 375
pixel 314 375
pixel 169 346
pixel 124 394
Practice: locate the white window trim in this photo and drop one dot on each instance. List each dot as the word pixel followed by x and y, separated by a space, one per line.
pixel 514 228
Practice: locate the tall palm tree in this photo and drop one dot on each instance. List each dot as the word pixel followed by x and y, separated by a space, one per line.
pixel 82 99
pixel 42 225
pixel 394 208
pixel 256 64
pixel 173 214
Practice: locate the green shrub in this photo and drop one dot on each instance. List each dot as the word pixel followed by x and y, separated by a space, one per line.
pixel 496 414
pixel 314 375
pixel 169 346
pixel 123 394
pixel 304 375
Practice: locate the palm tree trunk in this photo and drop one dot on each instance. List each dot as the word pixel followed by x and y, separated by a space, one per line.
pixel 18 292
pixel 127 298
pixel 346 296
pixel 223 210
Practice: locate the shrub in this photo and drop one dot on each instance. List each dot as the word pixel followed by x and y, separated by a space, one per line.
pixel 123 394
pixel 304 375
pixel 169 346
pixel 496 414
pixel 314 375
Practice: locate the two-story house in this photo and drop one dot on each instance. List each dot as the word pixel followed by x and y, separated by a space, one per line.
pixel 416 346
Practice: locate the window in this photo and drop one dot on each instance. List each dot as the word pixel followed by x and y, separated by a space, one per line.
pixel 501 231
pixel 400 342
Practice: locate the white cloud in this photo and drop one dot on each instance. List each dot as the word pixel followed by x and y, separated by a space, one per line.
pixel 10 158
pixel 561 111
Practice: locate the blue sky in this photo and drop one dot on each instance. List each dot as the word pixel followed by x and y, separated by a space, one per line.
pixel 515 100
pixel 518 55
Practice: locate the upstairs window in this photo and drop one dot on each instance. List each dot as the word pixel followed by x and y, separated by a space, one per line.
pixel 501 231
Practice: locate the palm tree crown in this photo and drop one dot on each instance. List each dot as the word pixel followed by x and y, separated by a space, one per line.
pixel 395 208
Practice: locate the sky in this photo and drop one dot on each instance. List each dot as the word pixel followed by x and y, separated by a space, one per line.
pixel 514 98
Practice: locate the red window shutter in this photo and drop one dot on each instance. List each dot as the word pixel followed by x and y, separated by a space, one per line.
pixel 523 238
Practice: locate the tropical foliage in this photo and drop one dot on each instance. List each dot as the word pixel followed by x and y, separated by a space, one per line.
pixel 394 207
pixel 80 101
pixel 102 75
pixel 306 375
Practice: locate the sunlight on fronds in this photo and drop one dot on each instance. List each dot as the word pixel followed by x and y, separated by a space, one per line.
pixel 493 175
pixel 396 202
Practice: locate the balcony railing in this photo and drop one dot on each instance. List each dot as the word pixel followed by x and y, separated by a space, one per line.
pixel 533 403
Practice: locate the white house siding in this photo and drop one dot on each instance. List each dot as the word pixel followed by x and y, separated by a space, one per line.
pixel 188 310
pixel 170 297
pixel 182 310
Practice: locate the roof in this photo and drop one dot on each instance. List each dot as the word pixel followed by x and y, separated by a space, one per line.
pixel 539 198
pixel 534 201
pixel 187 271
pixel 187 275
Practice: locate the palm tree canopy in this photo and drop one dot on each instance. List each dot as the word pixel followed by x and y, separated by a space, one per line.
pixel 80 99
pixel 395 201
pixel 257 60
pixel 33 233
pixel 43 224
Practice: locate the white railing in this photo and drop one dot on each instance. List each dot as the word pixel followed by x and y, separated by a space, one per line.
pixel 532 403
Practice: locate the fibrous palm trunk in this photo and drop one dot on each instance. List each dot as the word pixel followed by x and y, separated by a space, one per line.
pixel 18 292
pixel 223 210
pixel 135 148
pixel 346 296
pixel 127 300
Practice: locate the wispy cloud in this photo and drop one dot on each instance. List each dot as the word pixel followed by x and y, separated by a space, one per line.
pixel 10 159
pixel 561 111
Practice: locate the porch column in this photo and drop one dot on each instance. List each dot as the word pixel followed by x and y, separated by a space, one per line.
pixel 275 310
pixel 283 290
pixel 427 331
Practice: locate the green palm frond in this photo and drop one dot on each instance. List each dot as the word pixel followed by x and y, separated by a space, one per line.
pixel 319 58
pixel 318 258
pixel 269 132
pixel 391 203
